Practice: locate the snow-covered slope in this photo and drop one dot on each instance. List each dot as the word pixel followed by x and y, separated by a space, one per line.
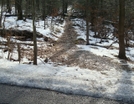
pixel 52 28
pixel 99 44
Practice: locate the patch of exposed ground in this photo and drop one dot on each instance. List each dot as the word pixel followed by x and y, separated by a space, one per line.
pixel 65 52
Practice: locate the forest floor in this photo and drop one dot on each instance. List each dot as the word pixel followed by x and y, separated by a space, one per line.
pixel 65 52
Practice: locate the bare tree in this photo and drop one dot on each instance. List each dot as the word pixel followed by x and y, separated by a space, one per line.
pixel 44 11
pixel 122 53
pixel 87 22
pixel 18 4
pixel 64 7
pixel 1 13
pixel 9 6
pixel 34 33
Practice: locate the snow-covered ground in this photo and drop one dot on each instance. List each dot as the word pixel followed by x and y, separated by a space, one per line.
pixel 51 26
pixel 112 83
pixel 80 27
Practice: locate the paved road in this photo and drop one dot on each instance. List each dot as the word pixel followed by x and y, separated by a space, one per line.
pixel 21 95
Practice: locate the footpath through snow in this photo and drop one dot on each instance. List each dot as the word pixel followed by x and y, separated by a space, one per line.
pixel 100 78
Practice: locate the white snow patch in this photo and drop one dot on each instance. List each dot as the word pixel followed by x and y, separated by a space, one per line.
pixel 80 28
pixel 13 23
pixel 110 83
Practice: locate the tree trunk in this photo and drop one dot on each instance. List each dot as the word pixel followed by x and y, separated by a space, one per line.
pixel 63 9
pixel 87 22
pixel 26 10
pixel 38 5
pixel 15 6
pixel 92 13
pixel 1 13
pixel 19 9
pixel 49 7
pixel 9 6
pixel 43 9
pixel 122 53
pixel 34 33
pixel 66 6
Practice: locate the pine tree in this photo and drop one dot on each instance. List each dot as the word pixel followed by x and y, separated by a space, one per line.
pixel 34 33
pixel 122 53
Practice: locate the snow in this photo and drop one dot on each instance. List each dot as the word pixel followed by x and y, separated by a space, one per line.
pixel 112 83
pixel 79 25
pixel 13 23
pixel 99 50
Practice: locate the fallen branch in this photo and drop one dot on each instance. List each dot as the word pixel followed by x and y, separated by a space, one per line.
pixel 104 46
pixel 112 44
pixel 5 43
pixel 99 45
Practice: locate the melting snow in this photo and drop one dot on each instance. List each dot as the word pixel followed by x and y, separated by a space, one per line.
pixel 111 83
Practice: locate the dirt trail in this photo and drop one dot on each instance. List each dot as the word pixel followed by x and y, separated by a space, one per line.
pixel 64 46
pixel 65 52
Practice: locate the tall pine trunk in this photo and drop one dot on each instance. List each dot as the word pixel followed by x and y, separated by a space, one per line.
pixel 9 6
pixel 87 22
pixel 34 33
pixel 44 11
pixel 63 9
pixel 18 4
pixel 2 3
pixel 122 53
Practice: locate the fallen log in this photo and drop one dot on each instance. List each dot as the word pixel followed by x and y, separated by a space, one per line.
pixel 5 43
pixel 25 34
pixel 9 15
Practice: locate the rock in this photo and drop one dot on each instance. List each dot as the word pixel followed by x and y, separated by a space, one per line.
pixel 80 41
pixel 46 39
pixel 46 60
